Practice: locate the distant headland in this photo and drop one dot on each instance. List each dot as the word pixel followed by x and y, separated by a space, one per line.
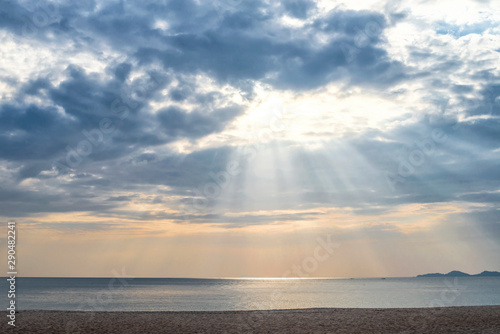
pixel 456 273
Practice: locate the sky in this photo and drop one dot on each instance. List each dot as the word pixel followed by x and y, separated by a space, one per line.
pixel 250 138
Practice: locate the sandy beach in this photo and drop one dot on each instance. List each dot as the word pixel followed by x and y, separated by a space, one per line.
pixel 477 319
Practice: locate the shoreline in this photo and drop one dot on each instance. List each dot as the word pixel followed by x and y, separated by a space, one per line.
pixel 298 310
pixel 454 319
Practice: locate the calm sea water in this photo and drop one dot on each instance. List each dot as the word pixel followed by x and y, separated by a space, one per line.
pixel 176 294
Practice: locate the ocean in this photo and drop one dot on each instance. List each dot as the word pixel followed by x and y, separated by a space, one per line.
pixel 183 294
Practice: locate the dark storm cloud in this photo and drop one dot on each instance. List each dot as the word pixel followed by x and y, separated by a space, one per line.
pixel 234 53
pixel 180 171
pixel 178 123
pixel 218 47
pixel 236 43
pixel 233 44
pixel 28 132
pixel 299 8
pixel 24 203
pixel 11 16
pixel 120 198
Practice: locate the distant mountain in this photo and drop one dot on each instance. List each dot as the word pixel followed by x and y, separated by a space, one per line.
pixel 431 275
pixel 489 274
pixel 456 273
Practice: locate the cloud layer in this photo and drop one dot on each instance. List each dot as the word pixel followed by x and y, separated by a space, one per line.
pixel 250 114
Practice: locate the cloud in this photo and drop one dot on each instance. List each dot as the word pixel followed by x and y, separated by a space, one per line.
pixel 181 125
pixel 178 123
pixel 27 132
pixel 177 80
pixel 25 203
pixel 299 8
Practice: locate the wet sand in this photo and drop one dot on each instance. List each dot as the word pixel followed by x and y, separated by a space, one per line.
pixel 475 319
